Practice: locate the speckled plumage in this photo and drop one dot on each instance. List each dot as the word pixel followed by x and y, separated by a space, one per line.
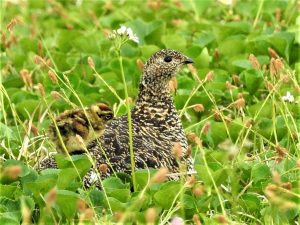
pixel 88 123
pixel 72 125
pixel 156 125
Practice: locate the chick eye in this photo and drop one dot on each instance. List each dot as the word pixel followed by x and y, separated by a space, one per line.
pixel 106 117
pixel 168 59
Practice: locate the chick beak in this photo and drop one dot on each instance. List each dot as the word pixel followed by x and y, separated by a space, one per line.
pixel 188 61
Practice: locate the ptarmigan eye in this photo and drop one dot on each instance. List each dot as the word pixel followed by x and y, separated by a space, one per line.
pixel 168 59
pixel 108 117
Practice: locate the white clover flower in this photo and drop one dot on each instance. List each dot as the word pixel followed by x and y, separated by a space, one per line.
pixel 124 31
pixel 177 221
pixel 288 97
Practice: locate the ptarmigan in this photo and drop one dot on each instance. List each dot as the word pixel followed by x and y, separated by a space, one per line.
pixel 155 124
pixel 73 130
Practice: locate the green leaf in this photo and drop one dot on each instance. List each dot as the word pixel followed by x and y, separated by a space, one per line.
pixel 250 202
pixel 9 191
pixel 204 39
pixel 66 177
pixel 143 29
pixel 10 211
pixel 115 204
pixel 165 196
pixel 67 202
pixel 260 172
pixel 27 107
pixel 218 132
pixel 203 59
pixel 97 197
pixel 199 6
pixel 282 42
pixel 174 41
pixel 11 218
pixel 252 80
pixel 242 63
pixel 6 132
pixel 122 195
pixel 40 186
pixel 232 46
pixel 81 162
pixel 142 177
pixel 113 183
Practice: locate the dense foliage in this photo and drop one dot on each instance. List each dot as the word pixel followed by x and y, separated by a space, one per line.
pixel 239 104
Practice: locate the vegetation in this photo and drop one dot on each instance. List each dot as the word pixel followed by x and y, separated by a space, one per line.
pixel 239 104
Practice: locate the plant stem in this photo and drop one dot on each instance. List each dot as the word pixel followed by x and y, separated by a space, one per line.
pixel 213 181
pixel 258 14
pixel 132 162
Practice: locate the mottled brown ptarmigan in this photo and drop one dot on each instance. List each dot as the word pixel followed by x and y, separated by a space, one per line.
pixel 156 126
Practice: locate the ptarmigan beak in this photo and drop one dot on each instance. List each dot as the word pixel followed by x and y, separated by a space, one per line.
pixel 188 61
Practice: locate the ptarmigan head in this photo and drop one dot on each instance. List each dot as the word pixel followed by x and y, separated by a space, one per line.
pixel 164 64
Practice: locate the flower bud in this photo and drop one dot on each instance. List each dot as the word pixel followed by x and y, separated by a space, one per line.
pixel 206 128
pixel 192 69
pixel 276 177
pixel 140 64
pixel 191 180
pixel 153 4
pixel 278 14
pixel 34 130
pixel 278 65
pixel 81 205
pixel 222 219
pixel 240 103
pixel 236 79
pixel 272 67
pixel 189 151
pixel 196 219
pixel 216 54
pixel 198 108
pixel 12 172
pixel 26 77
pixel 53 76
pixel 287 185
pixel 160 176
pixel 91 62
pixel 41 89
pixel 10 26
pixel 55 95
pixel 198 191
pixel 103 168
pixel 173 85
pixel 281 151
pixel 229 86
pixel 51 197
pixel 150 216
pixel 177 150
pixel 38 60
pixel 254 62
pixel 209 76
pixel 273 53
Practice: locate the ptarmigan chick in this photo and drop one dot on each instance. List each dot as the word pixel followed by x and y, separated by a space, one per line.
pixel 88 124
pixel 70 126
